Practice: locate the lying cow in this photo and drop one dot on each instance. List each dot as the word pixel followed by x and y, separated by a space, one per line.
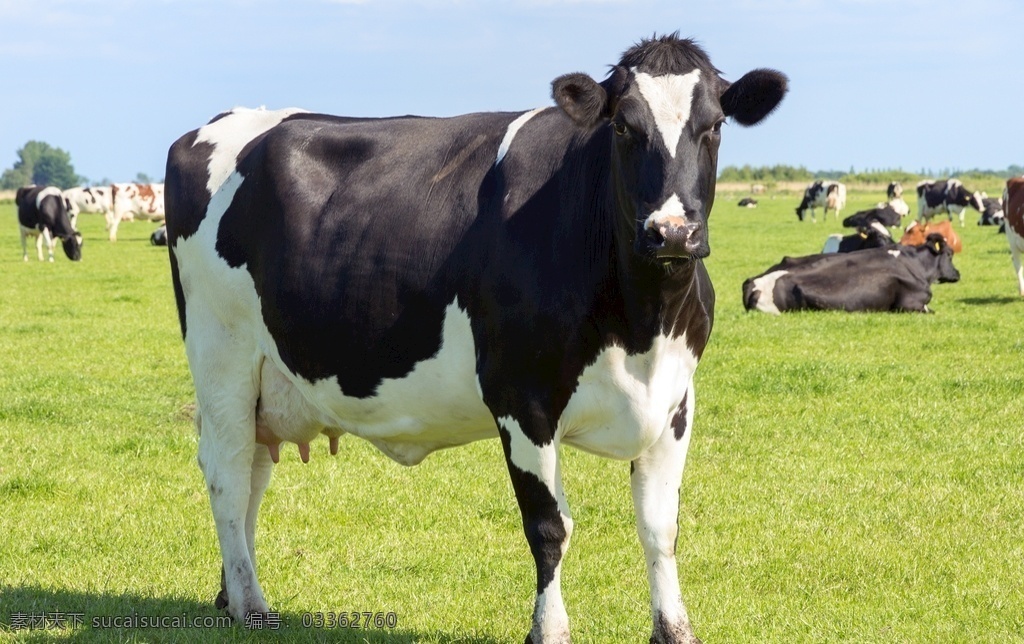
pixel 828 195
pixel 747 202
pixel 875 279
pixel 992 212
pixel 883 213
pixel 42 212
pixel 131 200
pixel 947 196
pixel 1013 198
pixel 916 233
pixel 894 197
pixel 874 235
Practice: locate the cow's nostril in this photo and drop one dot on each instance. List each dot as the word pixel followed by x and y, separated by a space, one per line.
pixel 654 236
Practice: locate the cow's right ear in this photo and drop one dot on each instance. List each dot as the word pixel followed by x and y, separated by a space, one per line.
pixel 754 96
pixel 581 97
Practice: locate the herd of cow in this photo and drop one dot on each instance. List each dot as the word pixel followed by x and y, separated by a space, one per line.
pixel 533 276
pixel 48 213
pixel 869 270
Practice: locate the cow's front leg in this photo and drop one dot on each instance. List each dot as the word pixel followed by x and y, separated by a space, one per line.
pixel 531 453
pixel 655 479
pixel 1018 268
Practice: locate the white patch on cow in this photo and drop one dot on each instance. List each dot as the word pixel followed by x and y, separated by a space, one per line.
pixel 624 402
pixel 670 98
pixel 231 133
pixel 672 207
pixel 765 288
pixel 47 192
pixel 513 129
pixel 831 244
pixel 900 206
pixel 881 229
pixel 894 253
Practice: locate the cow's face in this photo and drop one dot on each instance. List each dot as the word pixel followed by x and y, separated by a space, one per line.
pixel 73 246
pixel 663 108
pixel 936 245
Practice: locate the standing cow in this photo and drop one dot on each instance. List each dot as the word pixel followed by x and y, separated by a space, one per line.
pixel 1013 204
pixel 42 213
pixel 828 195
pixel 130 200
pixel 948 196
pixel 88 199
pixel 535 276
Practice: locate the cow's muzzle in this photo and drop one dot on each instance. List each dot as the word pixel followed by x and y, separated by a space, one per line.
pixel 671 237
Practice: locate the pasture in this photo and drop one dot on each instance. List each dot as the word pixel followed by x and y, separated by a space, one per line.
pixel 850 478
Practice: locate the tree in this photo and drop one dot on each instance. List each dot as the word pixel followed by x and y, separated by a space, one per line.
pixel 41 164
pixel 142 177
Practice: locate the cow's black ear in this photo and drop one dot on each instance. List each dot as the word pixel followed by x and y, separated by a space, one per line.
pixel 754 96
pixel 581 97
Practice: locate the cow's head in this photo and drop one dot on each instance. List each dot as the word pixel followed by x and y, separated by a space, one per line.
pixel 73 246
pixel 937 246
pixel 894 191
pixel 663 107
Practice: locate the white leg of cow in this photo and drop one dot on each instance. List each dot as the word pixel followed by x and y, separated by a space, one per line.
pixel 537 480
pixel 655 480
pixel 262 468
pixel 24 245
pixel 1018 268
pixel 112 221
pixel 48 238
pixel 228 457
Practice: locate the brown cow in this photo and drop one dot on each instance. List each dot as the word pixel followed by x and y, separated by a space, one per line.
pixel 915 234
pixel 1013 208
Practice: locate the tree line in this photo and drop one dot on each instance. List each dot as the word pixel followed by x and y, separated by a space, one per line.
pixel 778 173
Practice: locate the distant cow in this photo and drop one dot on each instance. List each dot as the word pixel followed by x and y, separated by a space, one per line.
pixel 874 235
pixel 1013 199
pixel 875 279
pixel 992 212
pixel 828 195
pixel 894 197
pixel 130 200
pixel 915 234
pixel 948 196
pixel 883 213
pixel 42 212
pixel 88 199
pixel 747 202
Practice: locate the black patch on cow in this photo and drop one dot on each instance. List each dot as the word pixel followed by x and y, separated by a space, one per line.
pixel 542 522
pixel 679 426
pixel 885 215
pixel 188 172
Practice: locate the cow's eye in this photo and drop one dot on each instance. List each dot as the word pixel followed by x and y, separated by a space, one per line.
pixel 717 127
pixel 620 128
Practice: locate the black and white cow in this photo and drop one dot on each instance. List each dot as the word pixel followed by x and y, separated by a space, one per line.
pixel 894 197
pixel 874 235
pixel 948 196
pixel 883 213
pixel 42 213
pixel 991 212
pixel 747 202
pixel 875 279
pixel 828 195
pixel 535 276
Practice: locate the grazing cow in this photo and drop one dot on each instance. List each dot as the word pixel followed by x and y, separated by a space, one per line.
pixel 829 195
pixel 883 213
pixel 915 234
pixel 894 197
pixel 88 199
pixel 747 202
pixel 535 276
pixel 875 279
pixel 992 212
pixel 131 200
pixel 874 235
pixel 1013 199
pixel 42 212
pixel 948 196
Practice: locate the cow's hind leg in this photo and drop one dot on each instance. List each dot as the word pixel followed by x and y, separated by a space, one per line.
pixel 236 472
pixel 1018 268
pixel 655 478
pixel 536 475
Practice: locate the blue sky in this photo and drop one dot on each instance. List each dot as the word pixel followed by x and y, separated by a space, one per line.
pixel 874 83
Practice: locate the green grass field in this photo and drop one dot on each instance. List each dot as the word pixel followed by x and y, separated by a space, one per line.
pixel 852 477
